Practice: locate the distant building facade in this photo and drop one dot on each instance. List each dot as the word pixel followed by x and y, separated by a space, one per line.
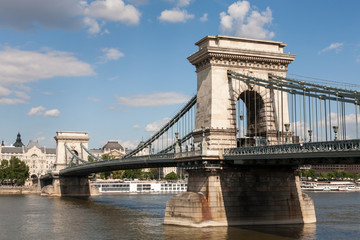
pixel 112 148
pixel 39 159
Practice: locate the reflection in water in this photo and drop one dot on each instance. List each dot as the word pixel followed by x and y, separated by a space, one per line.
pixel 141 216
pixel 209 233
pixel 277 232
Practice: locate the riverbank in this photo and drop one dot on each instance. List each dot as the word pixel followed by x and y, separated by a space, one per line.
pixel 19 190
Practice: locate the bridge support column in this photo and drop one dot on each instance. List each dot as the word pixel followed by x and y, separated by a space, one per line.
pixel 243 196
pixel 78 186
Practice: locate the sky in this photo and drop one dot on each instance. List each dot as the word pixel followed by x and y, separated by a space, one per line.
pixel 118 69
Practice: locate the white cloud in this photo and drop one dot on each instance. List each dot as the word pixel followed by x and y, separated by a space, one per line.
pixel 337 47
pixel 94 27
pixel 18 66
pixel 52 113
pixel 180 3
pixel 10 101
pixel 40 139
pixel 136 126
pixel 155 126
pixel 244 21
pixel 4 92
pixel 183 3
pixel 130 144
pixel 111 54
pixel 139 2
pixel 204 17
pixel 175 15
pixel 23 15
pixel 36 111
pixel 22 95
pixel 41 111
pixel 113 10
pixel 151 100
pixel 66 14
pixel 93 99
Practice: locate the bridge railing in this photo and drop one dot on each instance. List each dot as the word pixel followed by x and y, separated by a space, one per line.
pixel 333 146
pixel 182 123
pixel 150 157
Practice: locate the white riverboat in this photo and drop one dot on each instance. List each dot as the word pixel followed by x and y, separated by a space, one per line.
pixel 329 186
pixel 113 187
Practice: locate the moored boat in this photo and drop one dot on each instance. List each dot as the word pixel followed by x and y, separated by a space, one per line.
pixel 139 186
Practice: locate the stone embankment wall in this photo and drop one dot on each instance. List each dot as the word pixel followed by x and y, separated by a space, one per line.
pixel 18 190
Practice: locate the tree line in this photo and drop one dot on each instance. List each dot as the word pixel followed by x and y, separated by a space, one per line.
pixel 13 171
pixel 334 175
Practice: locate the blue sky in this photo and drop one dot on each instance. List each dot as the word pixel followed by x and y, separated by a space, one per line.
pixel 116 69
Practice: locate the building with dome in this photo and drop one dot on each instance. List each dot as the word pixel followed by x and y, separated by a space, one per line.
pixel 112 148
pixel 39 159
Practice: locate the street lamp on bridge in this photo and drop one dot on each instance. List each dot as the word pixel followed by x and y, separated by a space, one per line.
pixel 287 127
pixel 336 128
pixel 310 133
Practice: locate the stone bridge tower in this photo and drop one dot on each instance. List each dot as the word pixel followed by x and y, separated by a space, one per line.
pixel 239 194
pixel 217 94
pixel 72 140
pixel 53 184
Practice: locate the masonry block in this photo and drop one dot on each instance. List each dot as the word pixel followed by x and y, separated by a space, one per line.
pixel 227 197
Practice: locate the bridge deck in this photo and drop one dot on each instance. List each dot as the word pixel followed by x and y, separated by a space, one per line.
pixel 335 152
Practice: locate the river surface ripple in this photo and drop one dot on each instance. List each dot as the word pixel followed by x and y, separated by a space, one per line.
pixel 140 216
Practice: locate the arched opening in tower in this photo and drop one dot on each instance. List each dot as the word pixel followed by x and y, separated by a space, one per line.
pixel 250 119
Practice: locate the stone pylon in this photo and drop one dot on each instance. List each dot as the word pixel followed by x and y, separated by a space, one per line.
pixel 77 186
pixel 217 94
pixel 73 140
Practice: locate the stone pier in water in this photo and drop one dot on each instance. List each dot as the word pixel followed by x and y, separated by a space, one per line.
pixel 244 196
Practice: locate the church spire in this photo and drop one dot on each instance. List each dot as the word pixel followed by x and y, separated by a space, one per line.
pixel 18 142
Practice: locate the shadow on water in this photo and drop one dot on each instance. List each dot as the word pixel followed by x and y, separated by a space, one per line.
pixel 278 232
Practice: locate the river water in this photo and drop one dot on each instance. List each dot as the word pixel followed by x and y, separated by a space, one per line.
pixel 140 216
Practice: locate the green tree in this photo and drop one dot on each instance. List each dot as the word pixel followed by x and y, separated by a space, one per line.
pixel 152 174
pixel 4 164
pixel 14 170
pixel 323 176
pixel 118 174
pixel 105 175
pixel 171 176
pixel 133 173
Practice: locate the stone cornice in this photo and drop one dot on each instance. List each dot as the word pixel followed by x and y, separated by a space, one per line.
pixel 239 39
pixel 240 58
pixel 75 138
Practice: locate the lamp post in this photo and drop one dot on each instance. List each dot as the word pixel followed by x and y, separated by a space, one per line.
pixel 38 182
pixel 310 133
pixel 177 145
pixel 242 119
pixel 335 131
pixel 287 127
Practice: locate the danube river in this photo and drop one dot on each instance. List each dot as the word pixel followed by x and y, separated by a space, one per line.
pixel 140 216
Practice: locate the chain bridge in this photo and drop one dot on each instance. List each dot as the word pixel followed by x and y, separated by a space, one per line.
pixel 241 139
